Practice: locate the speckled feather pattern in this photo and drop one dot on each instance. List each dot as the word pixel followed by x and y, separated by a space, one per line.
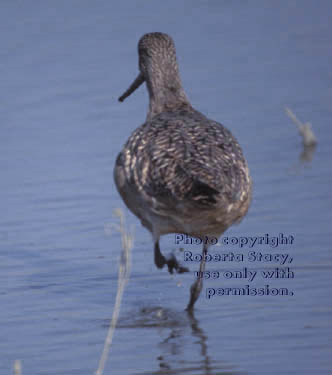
pixel 179 164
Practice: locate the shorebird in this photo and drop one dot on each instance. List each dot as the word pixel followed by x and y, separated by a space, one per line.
pixel 179 172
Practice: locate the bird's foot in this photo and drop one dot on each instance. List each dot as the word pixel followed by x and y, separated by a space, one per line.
pixel 173 264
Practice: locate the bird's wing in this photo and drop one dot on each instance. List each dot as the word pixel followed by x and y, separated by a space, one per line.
pixel 187 159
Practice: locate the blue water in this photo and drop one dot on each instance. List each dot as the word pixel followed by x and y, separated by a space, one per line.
pixel 63 65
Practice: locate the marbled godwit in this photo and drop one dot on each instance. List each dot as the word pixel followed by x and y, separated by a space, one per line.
pixel 179 172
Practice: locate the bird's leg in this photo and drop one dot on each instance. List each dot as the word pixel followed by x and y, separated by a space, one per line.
pixel 197 286
pixel 171 262
pixel 159 259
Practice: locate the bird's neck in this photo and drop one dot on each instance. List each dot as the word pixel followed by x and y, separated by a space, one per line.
pixel 165 94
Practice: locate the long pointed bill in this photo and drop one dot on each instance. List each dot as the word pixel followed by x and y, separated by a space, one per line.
pixel 136 84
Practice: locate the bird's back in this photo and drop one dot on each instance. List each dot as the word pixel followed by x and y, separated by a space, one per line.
pixel 181 164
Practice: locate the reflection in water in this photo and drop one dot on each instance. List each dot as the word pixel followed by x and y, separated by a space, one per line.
pixel 307 153
pixel 202 338
pixel 174 351
pixel 305 159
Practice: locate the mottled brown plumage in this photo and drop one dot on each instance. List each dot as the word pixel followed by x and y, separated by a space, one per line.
pixel 179 172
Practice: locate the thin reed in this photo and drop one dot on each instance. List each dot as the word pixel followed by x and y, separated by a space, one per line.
pixel 127 239
pixel 308 137
pixel 17 367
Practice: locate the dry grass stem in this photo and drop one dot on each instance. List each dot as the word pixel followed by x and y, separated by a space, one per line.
pixel 305 130
pixel 127 239
pixel 17 367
